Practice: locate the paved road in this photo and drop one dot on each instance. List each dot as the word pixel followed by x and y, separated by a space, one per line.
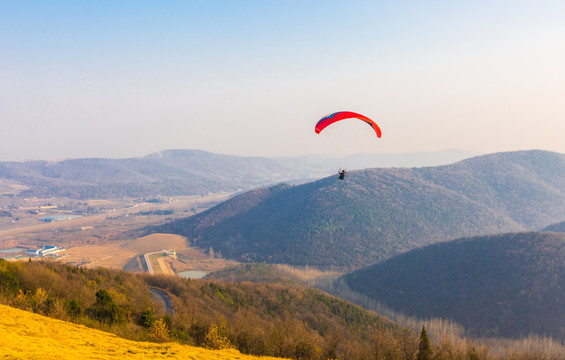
pixel 165 269
pixel 148 261
pixel 163 298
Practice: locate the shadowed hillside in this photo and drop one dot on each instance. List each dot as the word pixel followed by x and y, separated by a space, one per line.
pixel 377 213
pixel 507 285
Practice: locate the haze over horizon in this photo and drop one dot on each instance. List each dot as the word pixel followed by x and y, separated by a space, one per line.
pixel 126 79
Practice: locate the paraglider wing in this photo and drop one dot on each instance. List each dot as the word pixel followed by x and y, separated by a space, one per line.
pixel 341 115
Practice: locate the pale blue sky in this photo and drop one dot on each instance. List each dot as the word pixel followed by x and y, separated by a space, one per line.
pixel 127 78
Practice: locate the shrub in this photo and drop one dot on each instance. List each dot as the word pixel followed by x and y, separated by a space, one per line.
pixel 216 338
pixel 73 308
pixel 159 331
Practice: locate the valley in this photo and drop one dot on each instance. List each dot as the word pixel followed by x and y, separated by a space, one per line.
pixel 107 233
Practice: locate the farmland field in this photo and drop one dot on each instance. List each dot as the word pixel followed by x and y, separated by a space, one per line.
pixel 109 233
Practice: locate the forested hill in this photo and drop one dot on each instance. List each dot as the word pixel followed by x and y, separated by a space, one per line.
pixel 377 213
pixel 506 285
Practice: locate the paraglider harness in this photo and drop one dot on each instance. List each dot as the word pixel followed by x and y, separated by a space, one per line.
pixel 341 174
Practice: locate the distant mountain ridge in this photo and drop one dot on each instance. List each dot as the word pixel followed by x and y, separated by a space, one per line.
pixel 172 172
pixel 506 285
pixel 377 213
pixel 185 172
pixel 559 227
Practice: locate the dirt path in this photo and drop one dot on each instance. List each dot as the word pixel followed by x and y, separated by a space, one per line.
pixel 164 265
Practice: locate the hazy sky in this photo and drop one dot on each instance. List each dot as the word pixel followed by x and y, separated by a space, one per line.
pixel 128 78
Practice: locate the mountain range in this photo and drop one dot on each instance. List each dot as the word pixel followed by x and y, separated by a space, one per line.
pixel 375 214
pixel 186 172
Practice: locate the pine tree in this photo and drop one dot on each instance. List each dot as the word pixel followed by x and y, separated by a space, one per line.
pixel 146 319
pixel 105 309
pixel 424 349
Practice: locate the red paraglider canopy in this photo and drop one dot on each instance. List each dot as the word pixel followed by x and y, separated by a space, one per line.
pixel 341 115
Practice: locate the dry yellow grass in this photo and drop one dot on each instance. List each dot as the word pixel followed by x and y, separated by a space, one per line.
pixel 164 265
pixel 116 255
pixel 155 242
pixel 111 255
pixel 25 335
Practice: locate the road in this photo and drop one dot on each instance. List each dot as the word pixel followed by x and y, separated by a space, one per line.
pixel 148 263
pixel 163 298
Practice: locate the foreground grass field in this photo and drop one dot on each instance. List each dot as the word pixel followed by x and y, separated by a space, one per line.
pixel 30 336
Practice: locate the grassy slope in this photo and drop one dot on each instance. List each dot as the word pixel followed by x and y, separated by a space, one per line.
pixel 31 336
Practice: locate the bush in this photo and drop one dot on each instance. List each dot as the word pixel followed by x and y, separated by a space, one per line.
pixel 216 338
pixel 73 308
pixel 146 319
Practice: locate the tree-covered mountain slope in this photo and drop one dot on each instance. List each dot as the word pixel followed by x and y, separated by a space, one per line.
pixel 377 213
pixel 506 285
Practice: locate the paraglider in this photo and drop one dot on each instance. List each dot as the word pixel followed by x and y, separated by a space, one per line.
pixel 342 115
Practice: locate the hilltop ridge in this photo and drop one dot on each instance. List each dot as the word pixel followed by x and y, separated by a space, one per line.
pixel 377 213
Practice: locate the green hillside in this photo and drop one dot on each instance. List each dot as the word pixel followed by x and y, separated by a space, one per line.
pixel 507 285
pixel 377 213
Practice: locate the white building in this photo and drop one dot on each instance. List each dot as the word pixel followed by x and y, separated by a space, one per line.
pixel 47 250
